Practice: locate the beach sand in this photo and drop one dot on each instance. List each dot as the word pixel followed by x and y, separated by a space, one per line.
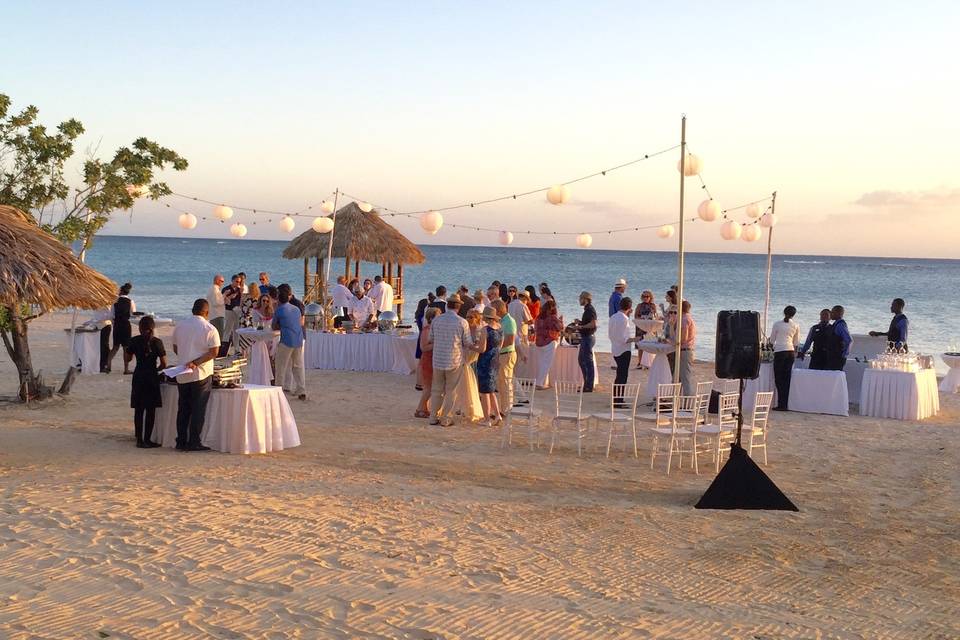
pixel 379 526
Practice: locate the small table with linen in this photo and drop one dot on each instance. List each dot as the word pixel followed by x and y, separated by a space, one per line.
pixel 818 391
pixel 660 368
pixel 901 395
pixel 259 344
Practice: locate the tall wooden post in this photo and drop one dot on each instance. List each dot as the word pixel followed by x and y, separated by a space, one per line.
pixel 306 278
pixel 336 201
pixel 683 158
pixel 766 300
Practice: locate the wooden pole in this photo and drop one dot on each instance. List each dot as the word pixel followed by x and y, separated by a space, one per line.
pixel 683 157
pixel 766 300
pixel 326 277
pixel 306 278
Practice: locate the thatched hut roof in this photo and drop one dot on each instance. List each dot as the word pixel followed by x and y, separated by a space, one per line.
pixel 36 268
pixel 359 235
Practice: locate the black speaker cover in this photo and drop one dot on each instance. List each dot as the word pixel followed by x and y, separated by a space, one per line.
pixel 738 344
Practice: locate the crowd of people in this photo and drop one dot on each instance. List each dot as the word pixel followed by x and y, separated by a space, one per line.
pixel 361 303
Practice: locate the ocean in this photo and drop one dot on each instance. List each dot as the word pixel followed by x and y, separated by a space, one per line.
pixel 169 273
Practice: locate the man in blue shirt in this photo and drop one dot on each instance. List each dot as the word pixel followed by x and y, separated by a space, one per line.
pixel 841 339
pixel 289 321
pixel 613 306
pixel 897 333
pixel 264 283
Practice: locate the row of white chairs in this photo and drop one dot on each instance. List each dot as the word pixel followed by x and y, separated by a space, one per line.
pixel 678 421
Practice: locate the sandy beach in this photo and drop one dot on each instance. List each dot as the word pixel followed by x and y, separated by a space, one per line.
pixel 379 526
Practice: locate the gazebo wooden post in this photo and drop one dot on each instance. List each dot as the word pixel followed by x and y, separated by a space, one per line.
pixel 322 280
pixel 398 291
pixel 306 278
pixel 356 269
pixel 346 269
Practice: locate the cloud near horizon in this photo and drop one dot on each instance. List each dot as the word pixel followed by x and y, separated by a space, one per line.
pixel 940 197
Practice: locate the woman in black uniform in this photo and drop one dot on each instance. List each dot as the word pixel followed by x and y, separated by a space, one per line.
pixel 145 392
pixel 123 308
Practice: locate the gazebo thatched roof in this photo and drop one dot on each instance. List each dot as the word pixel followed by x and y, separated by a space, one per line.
pixel 36 268
pixel 359 235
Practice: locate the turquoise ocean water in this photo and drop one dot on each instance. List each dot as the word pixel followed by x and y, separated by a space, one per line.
pixel 169 273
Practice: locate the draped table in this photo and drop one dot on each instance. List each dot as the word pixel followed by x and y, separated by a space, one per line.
pixel 565 366
pixel 951 381
pixel 763 382
pixel 901 395
pixel 382 352
pixel 251 419
pixel 85 350
pixel 259 344
pixel 816 391
pixel 660 368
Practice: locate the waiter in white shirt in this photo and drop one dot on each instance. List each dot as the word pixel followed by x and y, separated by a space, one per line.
pixel 196 342
pixel 621 334
pixel 342 300
pixel 785 337
pixel 362 309
pixel 381 294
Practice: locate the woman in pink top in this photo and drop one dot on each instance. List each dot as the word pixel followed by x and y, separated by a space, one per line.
pixel 547 329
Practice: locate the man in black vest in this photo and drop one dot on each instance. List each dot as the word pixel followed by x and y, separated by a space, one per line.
pixel 897 333
pixel 820 338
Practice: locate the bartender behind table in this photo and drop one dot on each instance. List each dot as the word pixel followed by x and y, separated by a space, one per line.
pixel 897 333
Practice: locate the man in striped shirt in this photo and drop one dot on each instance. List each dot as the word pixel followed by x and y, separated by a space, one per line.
pixel 450 336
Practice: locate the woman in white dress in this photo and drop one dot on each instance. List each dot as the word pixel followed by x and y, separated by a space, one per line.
pixel 467 403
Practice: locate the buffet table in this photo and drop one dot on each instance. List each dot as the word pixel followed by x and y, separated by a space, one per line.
pixel 901 395
pixel 85 350
pixel 660 367
pixel 252 419
pixel 382 352
pixel 951 381
pixel 259 345
pixel 815 391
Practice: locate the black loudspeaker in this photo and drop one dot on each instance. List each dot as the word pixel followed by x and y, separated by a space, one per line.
pixel 738 344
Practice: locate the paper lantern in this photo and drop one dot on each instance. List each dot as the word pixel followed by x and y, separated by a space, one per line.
pixel 666 231
pixel 323 224
pixel 752 233
pixel 558 194
pixel 238 230
pixel 326 206
pixel 692 165
pixel 287 224
pixel 223 213
pixel 730 230
pixel 506 237
pixel 768 220
pixel 753 210
pixel 431 221
pixel 187 221
pixel 366 207
pixel 708 210
pixel 584 240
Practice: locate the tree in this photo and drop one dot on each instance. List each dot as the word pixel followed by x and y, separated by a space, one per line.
pixel 32 179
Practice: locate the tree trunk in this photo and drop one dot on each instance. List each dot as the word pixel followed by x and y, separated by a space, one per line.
pixel 31 384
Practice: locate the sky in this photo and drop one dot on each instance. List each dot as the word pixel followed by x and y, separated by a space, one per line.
pixel 845 109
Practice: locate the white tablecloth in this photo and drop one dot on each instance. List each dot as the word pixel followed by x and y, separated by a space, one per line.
pixel 361 352
pixel 819 392
pixel 899 394
pixel 86 351
pixel 566 365
pixel 951 381
pixel 258 345
pixel 254 419
pixel 763 382
pixel 660 367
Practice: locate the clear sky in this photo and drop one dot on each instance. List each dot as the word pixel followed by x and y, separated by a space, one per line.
pixel 847 109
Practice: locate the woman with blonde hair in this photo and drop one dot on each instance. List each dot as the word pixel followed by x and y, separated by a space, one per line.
pixel 248 304
pixel 491 339
pixel 426 364
pixel 467 398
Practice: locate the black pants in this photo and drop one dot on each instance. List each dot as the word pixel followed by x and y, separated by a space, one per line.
pixel 143 420
pixel 623 370
pixel 839 363
pixel 782 372
pixel 191 408
pixel 105 349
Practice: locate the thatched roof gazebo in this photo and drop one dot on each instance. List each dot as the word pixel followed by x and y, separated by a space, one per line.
pixel 357 237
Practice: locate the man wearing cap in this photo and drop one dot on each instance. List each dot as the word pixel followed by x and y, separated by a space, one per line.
pixel 619 288
pixel 587 326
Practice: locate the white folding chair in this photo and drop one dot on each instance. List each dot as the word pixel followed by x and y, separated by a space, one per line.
pixel 730 386
pixel 675 431
pixel 723 429
pixel 759 424
pixel 690 417
pixel 663 409
pixel 568 409
pixel 526 389
pixel 625 417
pixel 703 395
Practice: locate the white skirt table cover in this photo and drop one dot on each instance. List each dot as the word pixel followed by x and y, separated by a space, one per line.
pixel 660 367
pixel 951 381
pixel 252 419
pixel 900 395
pixel 381 352
pixel 566 365
pixel 258 344
pixel 85 351
pixel 751 387
pixel 814 391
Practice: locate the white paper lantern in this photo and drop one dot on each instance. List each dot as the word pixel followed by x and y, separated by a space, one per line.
pixel 287 224
pixel 238 230
pixel 692 165
pixel 584 240
pixel 506 238
pixel 666 231
pixel 753 210
pixel 326 206
pixel 708 210
pixel 187 221
pixel 730 230
pixel 752 233
pixel 431 221
pixel 768 220
pixel 558 194
pixel 223 212
pixel 323 224
pixel 366 207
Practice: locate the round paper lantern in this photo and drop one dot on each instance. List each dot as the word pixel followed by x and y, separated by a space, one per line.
pixel 238 230
pixel 322 224
pixel 584 240
pixel 768 220
pixel 431 221
pixel 730 230
pixel 708 210
pixel 506 238
pixel 366 207
pixel 223 212
pixel 558 194
pixel 287 224
pixel 752 233
pixel 326 206
pixel 691 165
pixel 187 221
pixel 753 210
pixel 666 231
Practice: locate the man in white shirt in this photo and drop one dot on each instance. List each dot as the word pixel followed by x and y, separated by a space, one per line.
pixel 362 309
pixel 217 306
pixel 785 337
pixel 381 294
pixel 196 342
pixel 342 299
pixel 621 333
